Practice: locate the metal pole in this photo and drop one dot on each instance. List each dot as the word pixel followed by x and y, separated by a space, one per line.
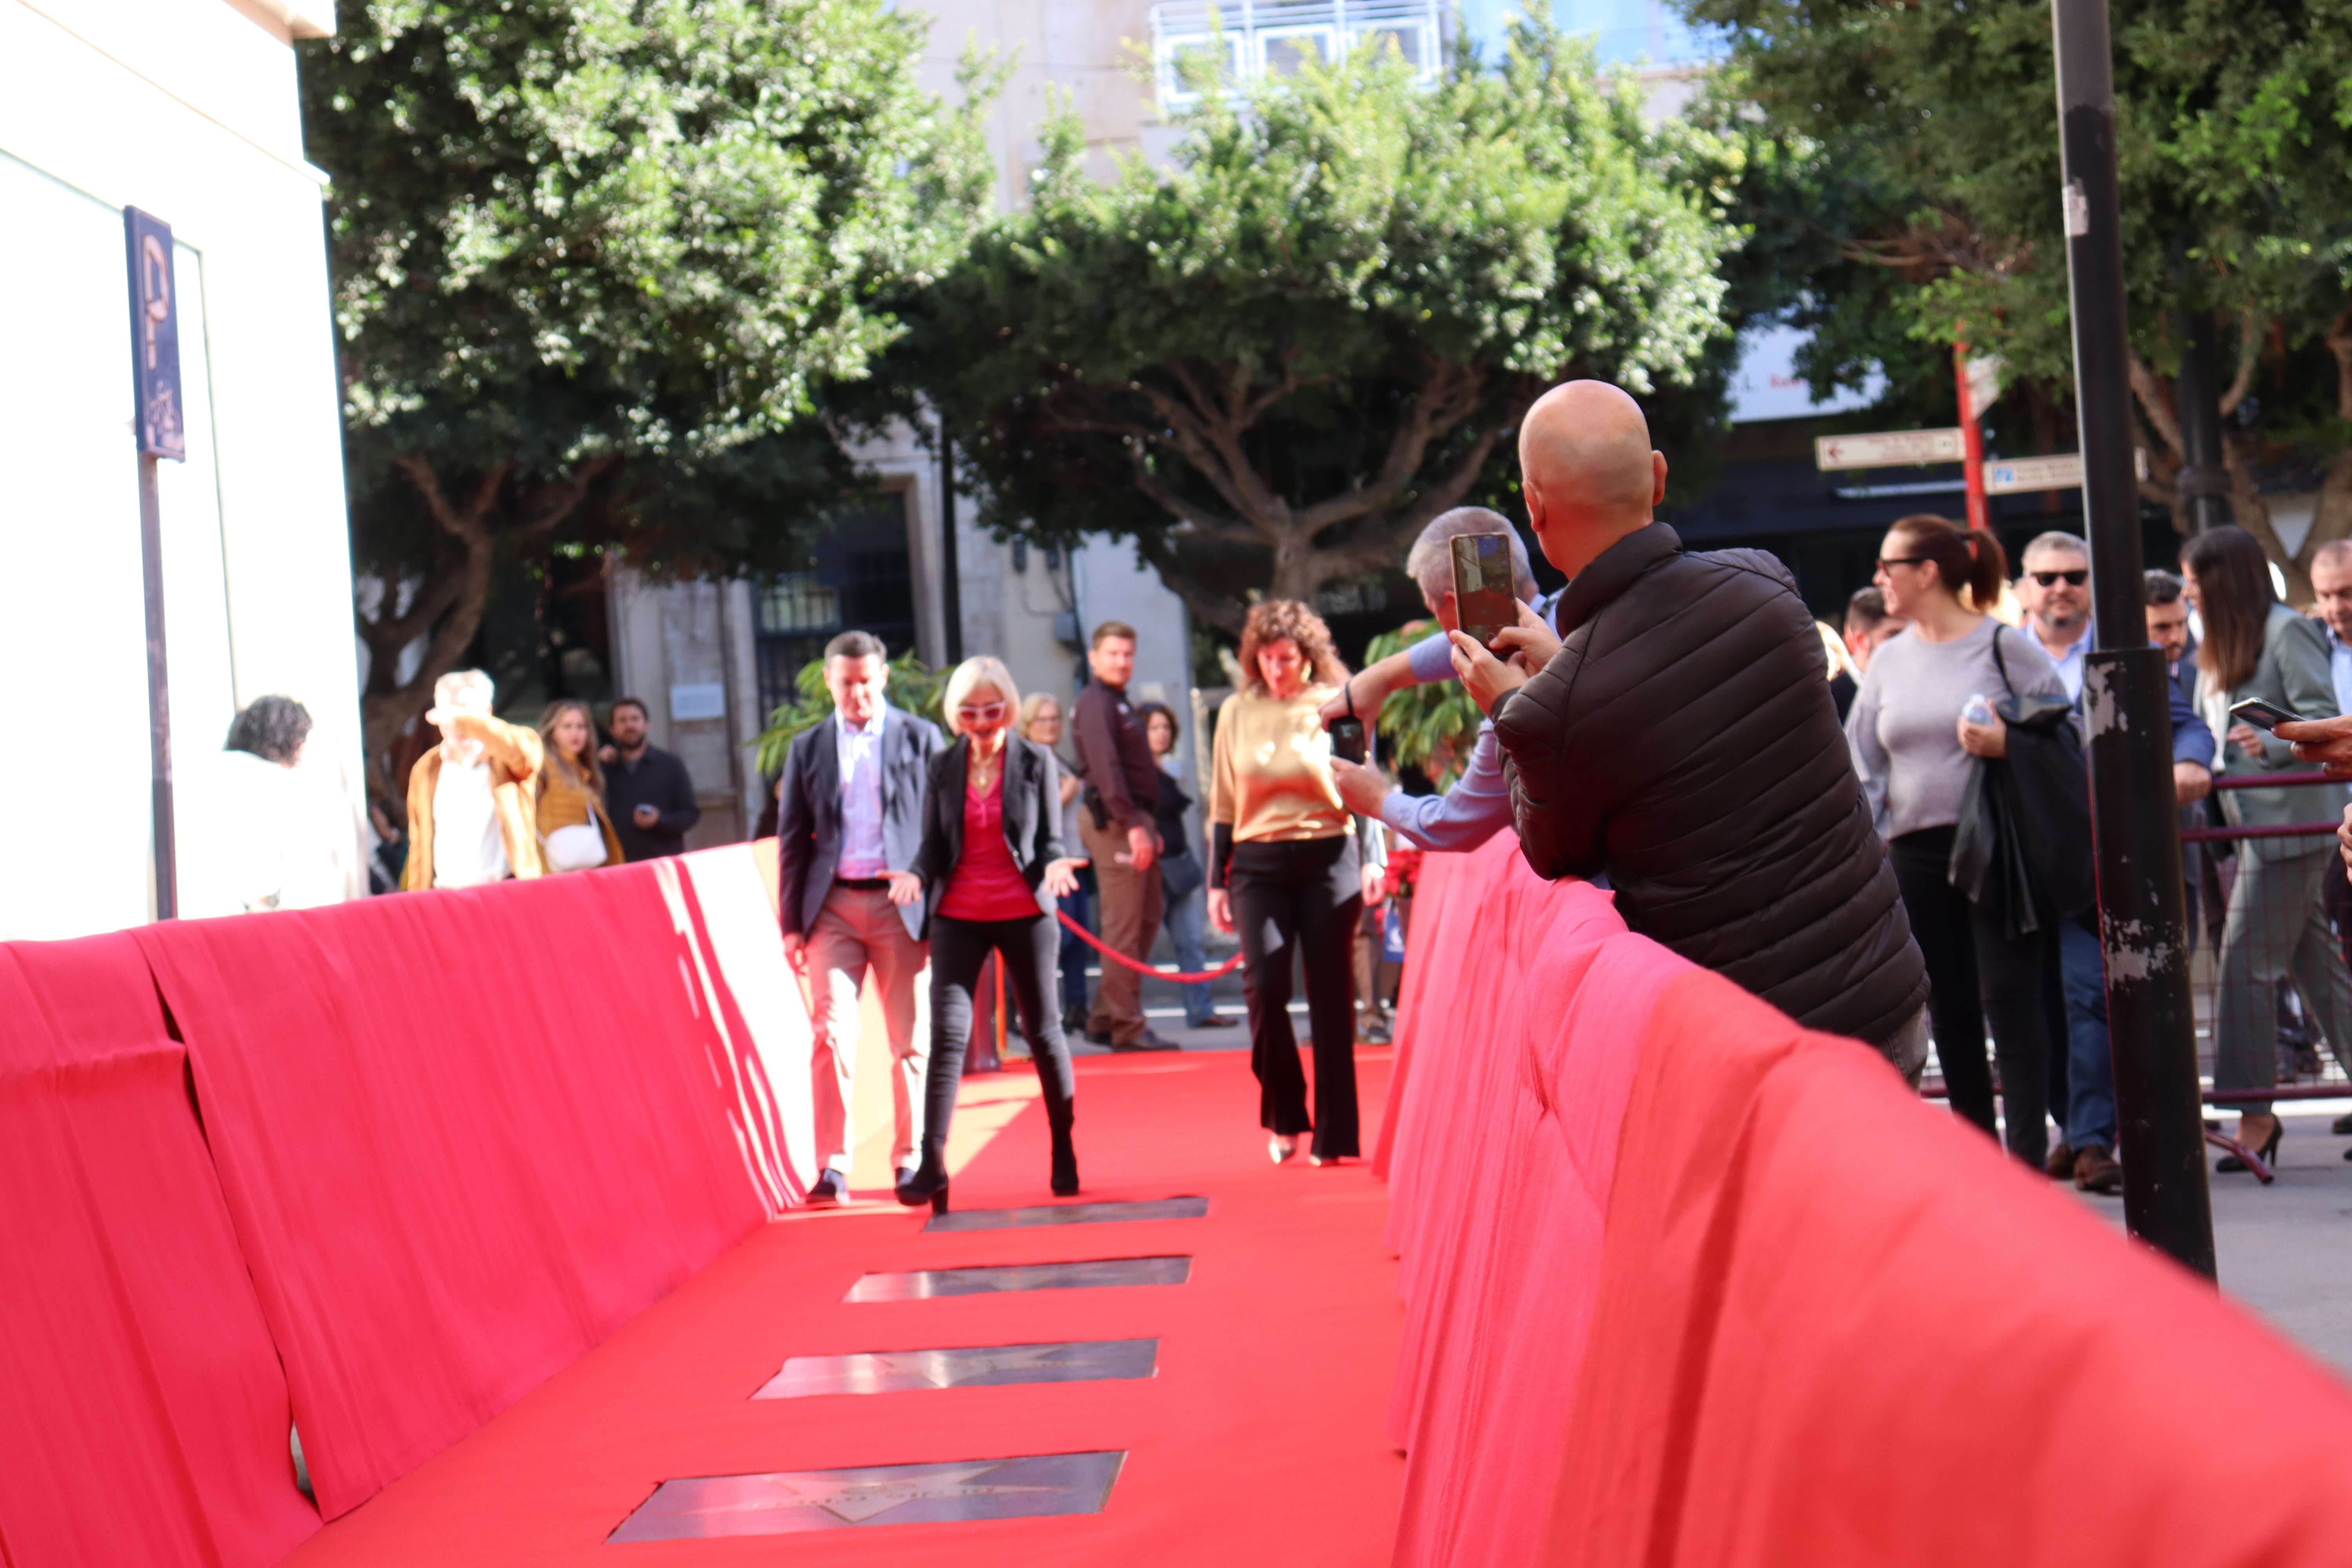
pixel 950 566
pixel 2204 479
pixel 2142 918
pixel 1971 441
pixel 159 694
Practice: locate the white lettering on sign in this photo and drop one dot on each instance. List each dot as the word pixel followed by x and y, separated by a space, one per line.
pixel 1888 449
pixel 2014 476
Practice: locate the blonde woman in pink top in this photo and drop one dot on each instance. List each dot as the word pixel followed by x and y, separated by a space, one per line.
pixel 994 863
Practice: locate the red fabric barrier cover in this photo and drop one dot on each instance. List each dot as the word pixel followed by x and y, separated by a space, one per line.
pixel 1836 1327
pixel 463 1136
pixel 1528 1028
pixel 142 1410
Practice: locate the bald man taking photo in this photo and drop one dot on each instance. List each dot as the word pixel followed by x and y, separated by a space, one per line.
pixel 1678 735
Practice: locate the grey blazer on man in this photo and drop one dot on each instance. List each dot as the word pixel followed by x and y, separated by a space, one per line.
pixel 808 818
pixel 2291 673
pixel 1033 817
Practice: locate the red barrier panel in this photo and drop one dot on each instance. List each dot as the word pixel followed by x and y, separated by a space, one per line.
pixel 1822 1323
pixel 463 1135
pixel 1526 1034
pixel 142 1409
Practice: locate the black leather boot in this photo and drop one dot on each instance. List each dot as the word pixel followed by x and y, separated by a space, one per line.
pixel 929 1184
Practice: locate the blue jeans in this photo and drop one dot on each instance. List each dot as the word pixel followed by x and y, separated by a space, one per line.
pixel 2090 1070
pixel 1184 919
pixel 1073 951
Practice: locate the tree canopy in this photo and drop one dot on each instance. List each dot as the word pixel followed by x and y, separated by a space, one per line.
pixel 1932 204
pixel 1271 363
pixel 595 264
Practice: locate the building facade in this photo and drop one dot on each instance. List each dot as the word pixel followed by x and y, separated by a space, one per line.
pixel 186 109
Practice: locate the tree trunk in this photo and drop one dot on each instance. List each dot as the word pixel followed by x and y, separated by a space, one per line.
pixel 450 596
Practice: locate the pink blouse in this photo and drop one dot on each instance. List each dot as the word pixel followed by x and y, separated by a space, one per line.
pixel 986 885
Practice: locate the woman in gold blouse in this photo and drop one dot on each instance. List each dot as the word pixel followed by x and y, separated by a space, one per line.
pixel 1284 871
pixel 575 832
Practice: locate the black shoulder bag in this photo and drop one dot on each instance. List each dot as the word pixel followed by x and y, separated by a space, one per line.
pixel 2022 846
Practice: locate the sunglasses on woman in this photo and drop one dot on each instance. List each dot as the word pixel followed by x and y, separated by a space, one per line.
pixel 983 713
pixel 2074 579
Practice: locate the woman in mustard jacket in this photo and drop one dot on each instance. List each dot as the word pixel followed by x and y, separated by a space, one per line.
pixel 574 828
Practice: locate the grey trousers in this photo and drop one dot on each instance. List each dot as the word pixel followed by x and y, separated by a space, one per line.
pixel 858 930
pixel 2277 925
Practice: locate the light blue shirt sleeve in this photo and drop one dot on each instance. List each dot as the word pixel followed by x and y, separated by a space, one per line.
pixel 2339 670
pixel 1432 659
pixel 1478 807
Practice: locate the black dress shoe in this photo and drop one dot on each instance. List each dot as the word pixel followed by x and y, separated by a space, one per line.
pixel 926 1184
pixel 1146 1041
pixel 830 1189
pixel 2342 1125
pixel 1096 1038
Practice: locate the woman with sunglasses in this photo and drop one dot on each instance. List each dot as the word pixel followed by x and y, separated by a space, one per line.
pixel 2257 649
pixel 1911 745
pixel 993 863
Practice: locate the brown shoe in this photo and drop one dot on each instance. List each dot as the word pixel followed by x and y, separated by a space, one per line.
pixel 2096 1171
pixel 2061 1163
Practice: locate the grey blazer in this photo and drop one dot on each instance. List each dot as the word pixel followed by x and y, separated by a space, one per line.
pixel 808 818
pixel 1033 817
pixel 2293 672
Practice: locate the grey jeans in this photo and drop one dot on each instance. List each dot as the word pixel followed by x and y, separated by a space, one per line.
pixel 2277 925
pixel 1907 1049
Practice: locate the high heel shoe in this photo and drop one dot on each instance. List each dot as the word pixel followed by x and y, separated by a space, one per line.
pixel 1066 1169
pixel 928 1185
pixel 2230 1163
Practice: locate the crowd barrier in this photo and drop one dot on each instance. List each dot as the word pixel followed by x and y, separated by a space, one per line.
pixel 377 1170
pixel 1687 1284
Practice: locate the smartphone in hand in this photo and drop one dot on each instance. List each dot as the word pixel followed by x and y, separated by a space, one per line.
pixel 2262 715
pixel 1348 740
pixel 1485 598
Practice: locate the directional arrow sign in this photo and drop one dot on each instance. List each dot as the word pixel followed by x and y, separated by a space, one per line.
pixel 1888 449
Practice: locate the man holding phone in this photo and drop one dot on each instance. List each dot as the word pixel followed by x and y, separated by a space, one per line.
pixel 1479 807
pixel 1678 735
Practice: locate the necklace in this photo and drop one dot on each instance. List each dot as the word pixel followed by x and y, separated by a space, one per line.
pixel 982 770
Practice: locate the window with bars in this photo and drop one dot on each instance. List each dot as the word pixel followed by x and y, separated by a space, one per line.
pixel 861 579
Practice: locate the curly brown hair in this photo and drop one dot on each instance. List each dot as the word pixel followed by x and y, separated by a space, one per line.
pixel 1275 619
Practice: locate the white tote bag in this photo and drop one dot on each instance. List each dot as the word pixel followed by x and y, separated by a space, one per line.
pixel 579 847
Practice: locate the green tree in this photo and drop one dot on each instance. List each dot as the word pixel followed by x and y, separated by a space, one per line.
pixel 596 263
pixel 1272 363
pixel 1931 208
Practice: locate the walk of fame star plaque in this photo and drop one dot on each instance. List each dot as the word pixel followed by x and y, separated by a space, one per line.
pixel 786 1502
pixel 1068 1214
pixel 976 1366
pixel 922 1283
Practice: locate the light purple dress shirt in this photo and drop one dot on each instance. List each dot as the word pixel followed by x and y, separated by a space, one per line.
pixel 859 752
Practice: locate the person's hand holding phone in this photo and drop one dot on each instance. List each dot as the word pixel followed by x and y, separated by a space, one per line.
pixel 1530 643
pixel 1361 787
pixel 1487 679
pixel 2327 741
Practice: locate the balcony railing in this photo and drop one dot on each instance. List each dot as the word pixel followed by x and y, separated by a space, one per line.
pixel 1274 38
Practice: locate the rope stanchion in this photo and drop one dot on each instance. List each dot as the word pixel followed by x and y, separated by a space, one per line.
pixel 1153 970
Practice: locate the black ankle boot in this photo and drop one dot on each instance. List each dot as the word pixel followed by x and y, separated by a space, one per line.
pixel 929 1184
pixel 1066 1153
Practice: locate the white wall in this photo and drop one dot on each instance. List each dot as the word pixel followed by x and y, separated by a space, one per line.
pixel 188 109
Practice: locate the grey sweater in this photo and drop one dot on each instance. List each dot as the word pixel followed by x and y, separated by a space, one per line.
pixel 1905 723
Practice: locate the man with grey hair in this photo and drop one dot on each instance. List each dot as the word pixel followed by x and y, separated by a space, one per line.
pixel 473 810
pixel 1479 804
pixel 2331 588
pixel 2055 590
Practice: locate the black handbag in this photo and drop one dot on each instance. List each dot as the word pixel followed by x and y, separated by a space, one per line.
pixel 2022 846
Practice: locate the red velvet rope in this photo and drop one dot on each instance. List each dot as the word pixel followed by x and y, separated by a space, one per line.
pixel 1091 940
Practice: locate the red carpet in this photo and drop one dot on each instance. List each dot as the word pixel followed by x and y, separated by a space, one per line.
pixel 1258 1440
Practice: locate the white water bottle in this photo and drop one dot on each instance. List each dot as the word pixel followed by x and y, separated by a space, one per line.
pixel 1978 710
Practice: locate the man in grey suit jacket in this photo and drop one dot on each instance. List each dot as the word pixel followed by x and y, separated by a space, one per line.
pixel 851 812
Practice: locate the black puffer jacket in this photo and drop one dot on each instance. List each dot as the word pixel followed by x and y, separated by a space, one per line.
pixel 1684 741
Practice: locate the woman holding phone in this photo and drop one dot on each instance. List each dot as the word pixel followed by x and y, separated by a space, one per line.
pixel 993 863
pixel 2257 649
pixel 1284 872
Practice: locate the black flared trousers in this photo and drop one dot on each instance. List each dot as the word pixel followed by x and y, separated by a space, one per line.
pixel 1028 949
pixel 1979 974
pixel 1298 902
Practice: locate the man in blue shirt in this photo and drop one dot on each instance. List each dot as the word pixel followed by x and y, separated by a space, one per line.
pixel 2055 591
pixel 1479 804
